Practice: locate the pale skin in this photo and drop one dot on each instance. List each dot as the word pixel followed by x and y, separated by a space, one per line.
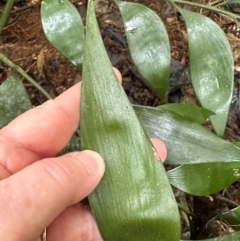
pixel 38 189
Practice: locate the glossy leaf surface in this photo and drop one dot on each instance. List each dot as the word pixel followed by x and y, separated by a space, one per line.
pixel 211 65
pixel 187 142
pixel 189 112
pixel 63 27
pixel 134 200
pixel 148 44
pixel 232 217
pixel 203 179
pixel 14 99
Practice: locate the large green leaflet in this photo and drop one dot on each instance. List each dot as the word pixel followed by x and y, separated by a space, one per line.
pixel 134 200
pixel 148 44
pixel 63 27
pixel 211 65
pixel 14 99
pixel 202 179
pixel 187 142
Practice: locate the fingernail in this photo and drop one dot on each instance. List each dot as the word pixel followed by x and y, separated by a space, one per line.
pixel 91 160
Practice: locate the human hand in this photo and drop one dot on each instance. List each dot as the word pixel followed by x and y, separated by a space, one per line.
pixel 39 190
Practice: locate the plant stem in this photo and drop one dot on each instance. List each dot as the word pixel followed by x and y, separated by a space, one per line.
pixel 223 12
pixel 7 61
pixel 186 210
pixel 5 14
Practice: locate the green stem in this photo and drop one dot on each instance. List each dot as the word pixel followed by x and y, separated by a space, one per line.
pixel 5 14
pixel 186 214
pixel 182 204
pixel 223 12
pixel 186 210
pixel 4 59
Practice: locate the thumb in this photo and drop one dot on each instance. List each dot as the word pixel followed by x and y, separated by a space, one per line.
pixel 32 198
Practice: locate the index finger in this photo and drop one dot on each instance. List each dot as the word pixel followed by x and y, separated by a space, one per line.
pixel 40 132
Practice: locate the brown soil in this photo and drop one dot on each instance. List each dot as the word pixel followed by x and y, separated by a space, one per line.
pixel 24 43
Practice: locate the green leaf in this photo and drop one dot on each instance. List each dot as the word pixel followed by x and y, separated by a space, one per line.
pixel 148 44
pixel 14 99
pixel 229 237
pixel 203 179
pixel 211 65
pixel 232 217
pixel 189 112
pixel 134 200
pixel 63 28
pixel 187 142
